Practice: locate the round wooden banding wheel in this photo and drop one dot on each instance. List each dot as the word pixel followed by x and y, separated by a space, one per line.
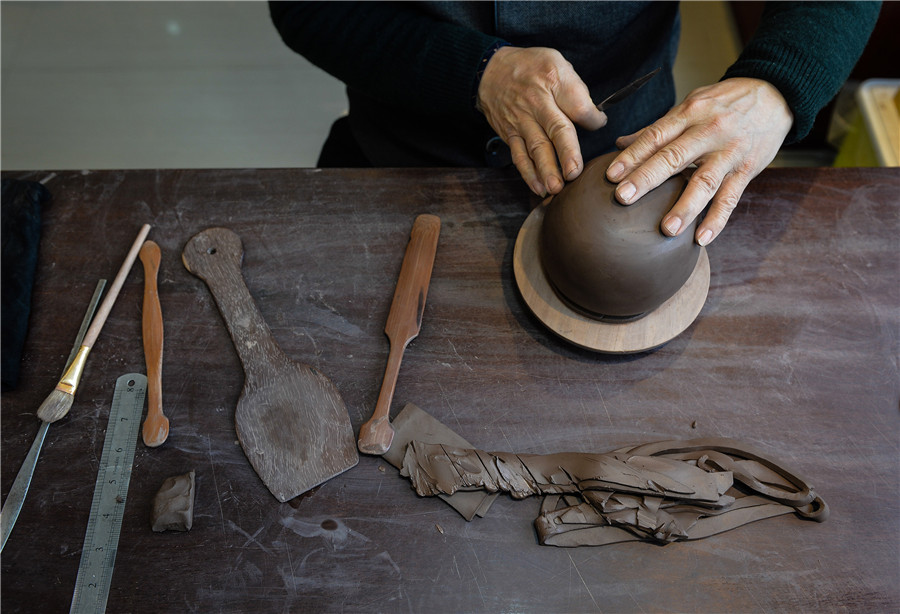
pixel 650 331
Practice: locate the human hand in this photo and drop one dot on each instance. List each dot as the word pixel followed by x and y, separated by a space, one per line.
pixel 731 130
pixel 532 97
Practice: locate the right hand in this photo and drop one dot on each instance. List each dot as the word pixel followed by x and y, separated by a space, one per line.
pixel 532 97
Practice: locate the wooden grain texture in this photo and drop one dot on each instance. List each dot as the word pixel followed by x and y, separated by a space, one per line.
pixel 795 352
pixel 403 324
pixel 290 419
pixel 156 425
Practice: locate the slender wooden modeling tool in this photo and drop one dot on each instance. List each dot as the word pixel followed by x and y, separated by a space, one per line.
pixel 16 497
pixel 60 400
pixel 290 419
pixel 156 425
pixel 403 324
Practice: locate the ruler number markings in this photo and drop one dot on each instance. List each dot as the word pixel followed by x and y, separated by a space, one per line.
pixel 101 537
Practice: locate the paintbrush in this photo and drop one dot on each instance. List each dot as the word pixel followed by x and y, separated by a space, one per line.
pixel 60 400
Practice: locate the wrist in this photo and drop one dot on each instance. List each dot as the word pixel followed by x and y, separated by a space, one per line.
pixel 482 67
pixel 781 111
pixel 768 93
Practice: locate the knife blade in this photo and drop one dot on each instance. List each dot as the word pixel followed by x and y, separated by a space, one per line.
pixel 626 91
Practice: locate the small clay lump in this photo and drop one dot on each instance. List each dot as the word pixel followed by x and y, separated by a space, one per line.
pixel 173 505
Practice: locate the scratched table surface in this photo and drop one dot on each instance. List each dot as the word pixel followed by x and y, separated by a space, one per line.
pixel 795 352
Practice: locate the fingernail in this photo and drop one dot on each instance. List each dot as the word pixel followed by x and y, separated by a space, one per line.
pixel 626 191
pixel 615 171
pixel 705 237
pixel 672 224
pixel 538 188
pixel 573 170
pixel 553 183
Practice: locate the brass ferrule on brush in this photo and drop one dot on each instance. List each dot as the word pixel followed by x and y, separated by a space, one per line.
pixel 69 381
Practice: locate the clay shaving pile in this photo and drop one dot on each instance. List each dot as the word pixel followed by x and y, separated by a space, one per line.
pixel 658 492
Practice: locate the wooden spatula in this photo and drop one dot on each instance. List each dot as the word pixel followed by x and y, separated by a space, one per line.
pixel 290 419
pixel 403 324
pixel 156 425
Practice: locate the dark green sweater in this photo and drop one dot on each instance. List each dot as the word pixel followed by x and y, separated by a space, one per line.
pixel 807 50
pixel 411 68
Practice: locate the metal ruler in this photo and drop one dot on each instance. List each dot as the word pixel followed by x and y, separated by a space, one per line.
pixel 101 540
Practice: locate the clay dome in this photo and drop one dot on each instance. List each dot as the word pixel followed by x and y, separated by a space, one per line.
pixel 609 259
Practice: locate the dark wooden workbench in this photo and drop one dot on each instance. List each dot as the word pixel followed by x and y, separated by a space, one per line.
pixel 795 352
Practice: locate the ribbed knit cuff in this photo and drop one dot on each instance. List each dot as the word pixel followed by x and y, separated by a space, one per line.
pixel 806 50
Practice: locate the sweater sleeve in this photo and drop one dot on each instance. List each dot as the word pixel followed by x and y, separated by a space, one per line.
pixel 807 50
pixel 392 53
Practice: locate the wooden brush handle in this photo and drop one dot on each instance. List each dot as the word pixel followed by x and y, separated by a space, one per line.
pixel 90 337
pixel 156 426
pixel 403 325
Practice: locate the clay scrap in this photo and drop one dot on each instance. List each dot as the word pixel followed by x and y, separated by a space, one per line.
pixel 173 505
pixel 659 492
pixel 414 423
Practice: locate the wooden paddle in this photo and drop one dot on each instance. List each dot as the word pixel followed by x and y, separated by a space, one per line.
pixel 403 324
pixel 290 419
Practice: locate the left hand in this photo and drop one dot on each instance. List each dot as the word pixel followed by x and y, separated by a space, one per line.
pixel 731 130
pixel 532 98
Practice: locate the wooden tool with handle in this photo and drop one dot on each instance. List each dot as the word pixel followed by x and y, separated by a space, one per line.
pixel 59 402
pixel 290 419
pixel 156 425
pixel 403 325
